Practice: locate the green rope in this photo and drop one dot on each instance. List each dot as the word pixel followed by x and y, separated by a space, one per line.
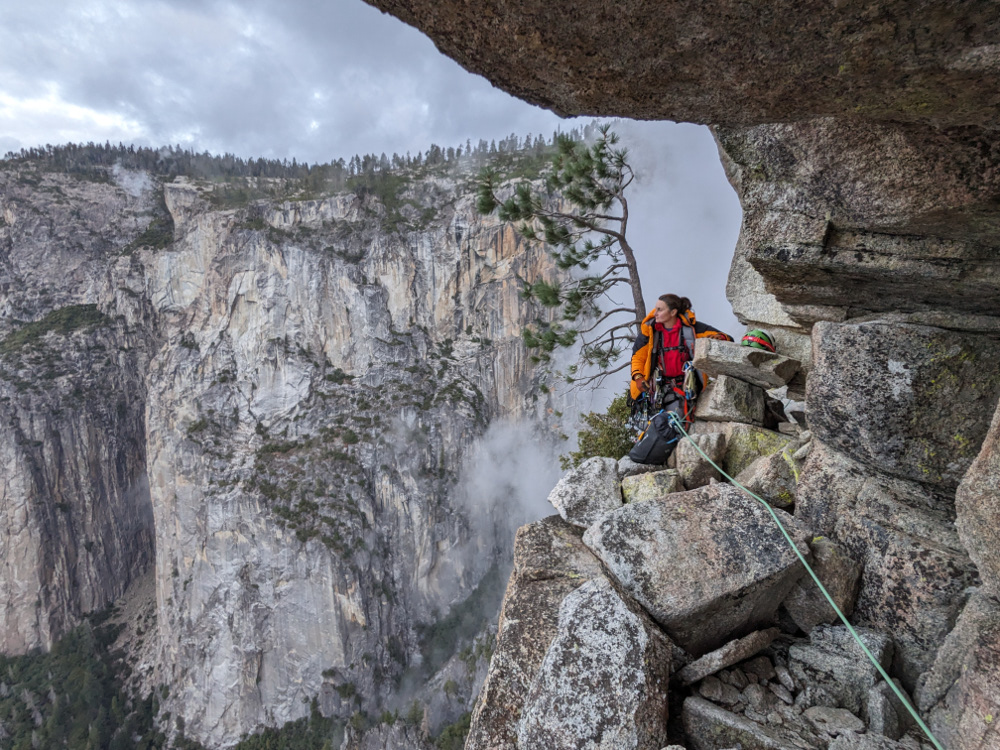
pixel 677 423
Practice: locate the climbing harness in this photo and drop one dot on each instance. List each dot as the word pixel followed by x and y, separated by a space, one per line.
pixel 680 427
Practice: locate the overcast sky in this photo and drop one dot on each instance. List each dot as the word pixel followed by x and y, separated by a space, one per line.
pixel 318 81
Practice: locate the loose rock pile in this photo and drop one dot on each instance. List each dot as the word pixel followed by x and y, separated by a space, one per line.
pixel 800 693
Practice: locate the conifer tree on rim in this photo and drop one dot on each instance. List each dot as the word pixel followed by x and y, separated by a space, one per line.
pixel 583 218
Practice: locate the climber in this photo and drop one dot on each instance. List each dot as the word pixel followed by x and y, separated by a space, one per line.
pixel 663 378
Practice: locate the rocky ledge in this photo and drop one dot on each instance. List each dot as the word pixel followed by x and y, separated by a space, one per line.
pixel 751 654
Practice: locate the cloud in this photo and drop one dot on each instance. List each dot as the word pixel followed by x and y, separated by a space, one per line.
pixel 21 120
pixel 506 477
pixel 313 81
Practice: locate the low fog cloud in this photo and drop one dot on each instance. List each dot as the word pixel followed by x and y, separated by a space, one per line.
pixel 506 478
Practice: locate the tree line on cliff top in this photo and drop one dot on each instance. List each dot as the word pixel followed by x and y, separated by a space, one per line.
pixel 93 160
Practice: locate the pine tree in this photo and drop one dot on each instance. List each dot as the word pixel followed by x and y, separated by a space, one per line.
pixel 583 219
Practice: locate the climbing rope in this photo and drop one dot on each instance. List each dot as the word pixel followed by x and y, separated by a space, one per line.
pixel 822 588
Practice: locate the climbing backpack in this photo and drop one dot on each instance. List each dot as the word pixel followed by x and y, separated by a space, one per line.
pixel 658 440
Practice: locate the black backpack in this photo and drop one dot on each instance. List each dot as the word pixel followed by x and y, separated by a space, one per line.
pixel 660 437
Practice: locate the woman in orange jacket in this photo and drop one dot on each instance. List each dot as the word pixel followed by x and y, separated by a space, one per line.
pixel 663 347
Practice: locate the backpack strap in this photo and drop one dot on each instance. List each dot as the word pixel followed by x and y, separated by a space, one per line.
pixel 688 337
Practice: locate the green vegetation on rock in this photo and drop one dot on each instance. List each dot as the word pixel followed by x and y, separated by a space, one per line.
pixel 72 697
pixel 606 434
pixel 314 732
pixel 159 233
pixel 453 736
pixel 441 639
pixel 63 321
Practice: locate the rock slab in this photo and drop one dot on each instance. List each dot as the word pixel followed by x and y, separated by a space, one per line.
pixel 586 493
pixel 732 653
pixel 694 469
pixel 729 399
pixel 651 485
pixel 755 366
pixel 629 468
pixel 708 564
pixel 745 443
pixel 603 682
pixel 915 570
pixel 710 727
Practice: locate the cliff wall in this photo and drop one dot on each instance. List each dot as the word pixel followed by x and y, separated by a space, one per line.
pixel 267 405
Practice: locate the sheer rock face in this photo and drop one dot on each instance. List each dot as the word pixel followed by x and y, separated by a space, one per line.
pixel 915 569
pixel 399 736
pixel 276 402
pixel 301 514
pixel 900 412
pixel 848 216
pixel 76 524
pixel 910 401
pixel 725 62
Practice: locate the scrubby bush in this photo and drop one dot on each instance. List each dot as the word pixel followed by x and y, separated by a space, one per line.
pixel 606 434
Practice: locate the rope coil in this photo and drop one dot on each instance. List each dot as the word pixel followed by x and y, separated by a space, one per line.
pixel 677 423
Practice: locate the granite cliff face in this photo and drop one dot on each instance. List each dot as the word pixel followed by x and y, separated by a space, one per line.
pixel 305 430
pixel 863 142
pixel 78 525
pixel 269 407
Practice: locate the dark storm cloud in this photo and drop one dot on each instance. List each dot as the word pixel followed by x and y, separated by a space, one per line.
pixel 315 81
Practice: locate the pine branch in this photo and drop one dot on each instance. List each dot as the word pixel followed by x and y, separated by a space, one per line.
pixel 600 376
pixel 605 317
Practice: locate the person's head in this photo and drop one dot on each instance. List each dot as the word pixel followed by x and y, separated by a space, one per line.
pixel 669 306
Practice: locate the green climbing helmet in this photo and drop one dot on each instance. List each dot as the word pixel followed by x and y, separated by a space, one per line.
pixel 758 338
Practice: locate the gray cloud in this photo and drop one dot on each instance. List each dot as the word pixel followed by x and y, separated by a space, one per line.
pixel 313 81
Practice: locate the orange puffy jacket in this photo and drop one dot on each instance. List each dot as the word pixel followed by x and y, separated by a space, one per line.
pixel 642 349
